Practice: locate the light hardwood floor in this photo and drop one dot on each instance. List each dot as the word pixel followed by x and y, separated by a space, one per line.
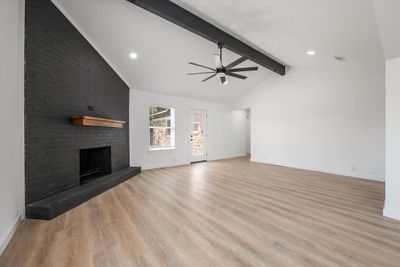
pixel 222 213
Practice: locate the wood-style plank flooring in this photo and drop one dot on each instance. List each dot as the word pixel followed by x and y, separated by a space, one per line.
pixel 222 213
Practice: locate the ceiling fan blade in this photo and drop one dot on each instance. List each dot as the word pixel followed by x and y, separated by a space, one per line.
pixel 206 79
pixel 198 73
pixel 236 62
pixel 236 75
pixel 223 80
pixel 198 65
pixel 243 69
pixel 218 63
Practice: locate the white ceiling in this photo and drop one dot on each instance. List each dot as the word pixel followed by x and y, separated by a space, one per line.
pixel 288 28
pixel 285 29
pixel 116 27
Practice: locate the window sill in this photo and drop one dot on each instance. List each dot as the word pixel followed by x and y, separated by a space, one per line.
pixel 161 149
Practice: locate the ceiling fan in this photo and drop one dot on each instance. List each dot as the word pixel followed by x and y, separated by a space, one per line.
pixel 222 70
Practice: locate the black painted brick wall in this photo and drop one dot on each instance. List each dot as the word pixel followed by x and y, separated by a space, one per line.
pixel 63 76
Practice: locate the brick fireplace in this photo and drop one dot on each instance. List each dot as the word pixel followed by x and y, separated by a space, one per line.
pixel 64 77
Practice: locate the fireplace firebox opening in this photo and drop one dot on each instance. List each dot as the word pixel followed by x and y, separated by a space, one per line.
pixel 94 163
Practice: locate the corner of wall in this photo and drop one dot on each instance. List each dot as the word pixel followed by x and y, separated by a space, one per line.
pixel 9 233
pixel 391 213
pixel 21 106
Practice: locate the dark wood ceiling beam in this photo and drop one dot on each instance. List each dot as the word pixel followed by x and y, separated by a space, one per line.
pixel 187 20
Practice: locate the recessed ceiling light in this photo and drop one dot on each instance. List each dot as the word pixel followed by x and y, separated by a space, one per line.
pixel 133 55
pixel 310 52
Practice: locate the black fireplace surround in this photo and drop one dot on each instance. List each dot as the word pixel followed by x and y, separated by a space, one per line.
pixel 64 77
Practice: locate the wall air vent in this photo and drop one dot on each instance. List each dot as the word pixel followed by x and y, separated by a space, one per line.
pixel 340 59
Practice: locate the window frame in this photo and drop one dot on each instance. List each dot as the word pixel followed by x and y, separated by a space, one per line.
pixel 172 128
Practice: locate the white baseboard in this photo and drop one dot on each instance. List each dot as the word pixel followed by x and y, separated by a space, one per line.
pixel 176 164
pixel 227 157
pixel 9 234
pixel 391 213
pixel 352 174
pixel 163 165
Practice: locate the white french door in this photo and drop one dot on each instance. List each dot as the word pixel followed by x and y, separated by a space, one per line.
pixel 198 135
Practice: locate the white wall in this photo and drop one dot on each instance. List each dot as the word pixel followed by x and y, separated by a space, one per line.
pixel 226 130
pixel 329 121
pixel 392 201
pixel 11 118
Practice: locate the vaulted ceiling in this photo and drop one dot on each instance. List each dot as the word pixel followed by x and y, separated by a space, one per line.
pixel 288 28
pixel 283 29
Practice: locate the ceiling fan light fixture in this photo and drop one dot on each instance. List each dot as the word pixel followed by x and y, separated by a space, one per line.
pixel 224 81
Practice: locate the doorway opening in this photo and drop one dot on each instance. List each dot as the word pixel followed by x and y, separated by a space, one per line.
pixel 198 135
pixel 248 132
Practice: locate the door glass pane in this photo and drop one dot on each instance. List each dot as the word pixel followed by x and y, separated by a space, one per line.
pixel 198 134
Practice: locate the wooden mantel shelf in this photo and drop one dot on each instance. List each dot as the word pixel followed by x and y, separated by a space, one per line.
pixel 95 121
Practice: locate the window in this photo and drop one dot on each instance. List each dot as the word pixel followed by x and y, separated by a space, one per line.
pixel 162 128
